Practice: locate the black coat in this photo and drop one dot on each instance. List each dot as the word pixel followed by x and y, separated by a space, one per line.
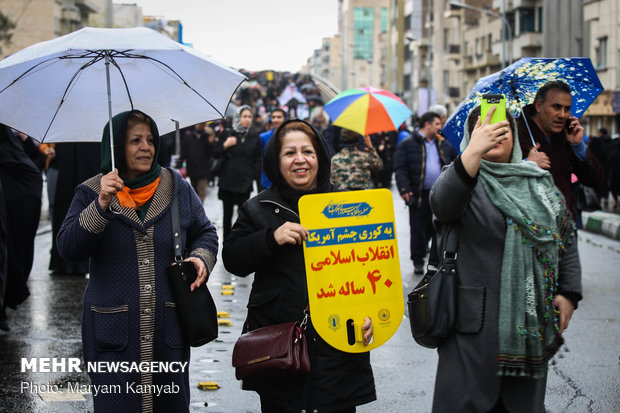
pixel 279 294
pixel 22 184
pixel 337 380
pixel 75 162
pixel 241 164
pixel 196 150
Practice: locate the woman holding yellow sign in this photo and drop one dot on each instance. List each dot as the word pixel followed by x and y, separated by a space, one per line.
pixel 267 240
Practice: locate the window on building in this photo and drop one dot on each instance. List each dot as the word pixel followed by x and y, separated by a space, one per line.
pixel 446 81
pixel 408 22
pixel 527 20
pixel 384 19
pixel 601 53
pixel 363 25
pixel 478 47
pixel 540 19
pixel 446 43
pixel 408 53
pixel 510 18
pixel 407 82
pixel 489 42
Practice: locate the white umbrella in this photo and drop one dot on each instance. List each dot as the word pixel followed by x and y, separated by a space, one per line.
pixel 67 89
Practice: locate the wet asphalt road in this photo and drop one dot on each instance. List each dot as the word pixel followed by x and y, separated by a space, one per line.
pixel 584 376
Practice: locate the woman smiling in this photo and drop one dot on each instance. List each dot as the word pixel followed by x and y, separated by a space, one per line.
pixel 269 237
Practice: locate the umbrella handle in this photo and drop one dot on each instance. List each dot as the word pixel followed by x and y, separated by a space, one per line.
pixel 107 78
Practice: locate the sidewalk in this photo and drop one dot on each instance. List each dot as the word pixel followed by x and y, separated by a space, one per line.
pixel 600 222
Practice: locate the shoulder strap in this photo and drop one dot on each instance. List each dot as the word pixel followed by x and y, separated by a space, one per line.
pixel 176 229
pixel 446 238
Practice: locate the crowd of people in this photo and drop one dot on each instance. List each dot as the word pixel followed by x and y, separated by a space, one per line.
pixel 511 179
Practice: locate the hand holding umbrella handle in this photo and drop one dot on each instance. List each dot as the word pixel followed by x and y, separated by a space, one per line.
pixel 541 158
pixel 110 184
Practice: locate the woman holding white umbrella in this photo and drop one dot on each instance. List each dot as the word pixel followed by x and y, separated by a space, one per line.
pixel 121 221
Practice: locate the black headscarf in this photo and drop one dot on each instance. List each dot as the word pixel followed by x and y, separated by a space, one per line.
pixel 119 124
pixel 271 165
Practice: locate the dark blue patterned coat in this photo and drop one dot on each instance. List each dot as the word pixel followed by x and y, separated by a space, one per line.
pixel 129 312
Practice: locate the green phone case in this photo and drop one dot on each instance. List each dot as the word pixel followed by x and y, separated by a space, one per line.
pixel 490 100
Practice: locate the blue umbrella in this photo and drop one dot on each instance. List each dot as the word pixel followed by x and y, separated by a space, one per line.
pixel 520 81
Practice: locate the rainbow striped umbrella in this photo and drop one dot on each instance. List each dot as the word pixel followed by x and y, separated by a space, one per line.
pixel 367 110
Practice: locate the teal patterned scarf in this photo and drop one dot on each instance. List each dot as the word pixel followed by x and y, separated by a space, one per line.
pixel 536 219
pixel 537 228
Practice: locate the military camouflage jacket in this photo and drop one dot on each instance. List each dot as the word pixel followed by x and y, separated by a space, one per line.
pixel 351 168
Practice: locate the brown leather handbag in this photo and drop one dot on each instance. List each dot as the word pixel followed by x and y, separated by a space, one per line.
pixel 272 352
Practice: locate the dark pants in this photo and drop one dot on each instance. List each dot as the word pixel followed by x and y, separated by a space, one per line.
pixel 230 199
pixel 421 223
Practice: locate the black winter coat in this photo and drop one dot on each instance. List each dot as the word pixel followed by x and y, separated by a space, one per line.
pixel 241 164
pixel 279 294
pixel 196 150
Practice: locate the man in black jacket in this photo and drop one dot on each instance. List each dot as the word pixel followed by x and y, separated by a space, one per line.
pixel 417 165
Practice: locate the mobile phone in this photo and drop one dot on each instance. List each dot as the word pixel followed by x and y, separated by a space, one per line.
pixel 489 100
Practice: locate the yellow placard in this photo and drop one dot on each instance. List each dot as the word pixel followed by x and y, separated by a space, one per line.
pixel 352 266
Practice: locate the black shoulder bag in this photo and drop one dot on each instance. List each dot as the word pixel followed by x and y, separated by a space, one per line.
pixel 196 310
pixel 432 303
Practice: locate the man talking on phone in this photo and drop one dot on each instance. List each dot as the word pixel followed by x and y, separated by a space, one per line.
pixel 553 138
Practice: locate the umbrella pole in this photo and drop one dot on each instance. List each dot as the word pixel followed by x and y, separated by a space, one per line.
pixel 174 159
pixel 107 78
pixel 528 127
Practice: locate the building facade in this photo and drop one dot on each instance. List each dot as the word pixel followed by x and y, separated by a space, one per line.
pixel 358 52
pixel 39 20
pixel 438 49
pixel 601 42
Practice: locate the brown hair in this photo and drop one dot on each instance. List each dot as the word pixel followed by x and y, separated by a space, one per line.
pixel 136 117
pixel 301 127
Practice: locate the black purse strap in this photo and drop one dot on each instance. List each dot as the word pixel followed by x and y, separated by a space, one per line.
pixel 176 230
pixel 450 243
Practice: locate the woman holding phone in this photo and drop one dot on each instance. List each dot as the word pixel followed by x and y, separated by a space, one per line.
pixel 518 268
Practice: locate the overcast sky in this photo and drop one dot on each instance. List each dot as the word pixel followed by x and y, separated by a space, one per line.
pixel 251 34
